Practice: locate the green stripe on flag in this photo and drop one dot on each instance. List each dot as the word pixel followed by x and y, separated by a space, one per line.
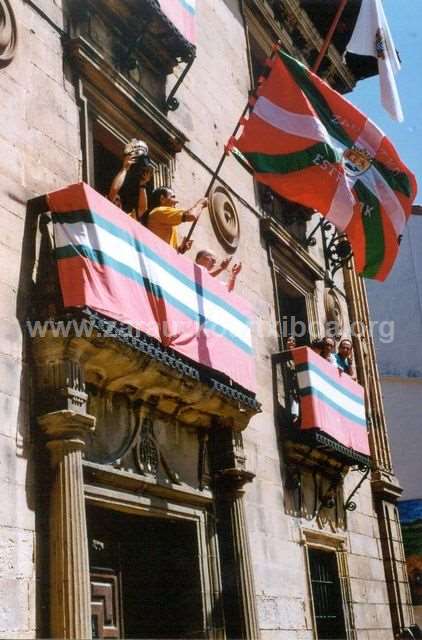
pixel 397 180
pixel 374 232
pixel 319 103
pixel 314 155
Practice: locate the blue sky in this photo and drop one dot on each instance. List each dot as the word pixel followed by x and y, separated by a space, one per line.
pixel 405 20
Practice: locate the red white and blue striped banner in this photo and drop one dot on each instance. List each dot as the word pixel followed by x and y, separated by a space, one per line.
pixel 114 265
pixel 330 400
pixel 182 14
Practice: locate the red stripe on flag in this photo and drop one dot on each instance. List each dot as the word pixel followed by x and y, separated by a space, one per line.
pixel 281 89
pixel 265 138
pixel 315 188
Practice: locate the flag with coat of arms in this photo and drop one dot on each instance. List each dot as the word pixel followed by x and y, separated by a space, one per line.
pixel 372 37
pixel 313 147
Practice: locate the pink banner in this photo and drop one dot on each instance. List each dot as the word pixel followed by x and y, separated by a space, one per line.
pixel 330 400
pixel 182 14
pixel 114 265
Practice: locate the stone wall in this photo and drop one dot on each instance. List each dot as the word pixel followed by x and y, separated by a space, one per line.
pixel 39 151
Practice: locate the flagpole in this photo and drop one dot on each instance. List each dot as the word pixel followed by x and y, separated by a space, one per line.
pixel 226 150
pixel 329 36
pixel 216 172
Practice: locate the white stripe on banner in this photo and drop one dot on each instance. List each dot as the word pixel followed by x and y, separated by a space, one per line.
pixel 296 124
pixel 311 378
pixel 98 239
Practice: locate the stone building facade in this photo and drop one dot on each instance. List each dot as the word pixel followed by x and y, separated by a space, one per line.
pixel 399 362
pixel 140 496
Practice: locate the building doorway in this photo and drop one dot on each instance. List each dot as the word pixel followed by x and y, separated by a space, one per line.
pixel 145 576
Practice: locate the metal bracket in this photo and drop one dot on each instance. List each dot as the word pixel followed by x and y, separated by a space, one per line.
pixel 310 241
pixel 350 505
pixel 172 103
pixel 337 251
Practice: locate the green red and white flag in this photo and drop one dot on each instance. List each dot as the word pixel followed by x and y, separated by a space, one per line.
pixel 311 146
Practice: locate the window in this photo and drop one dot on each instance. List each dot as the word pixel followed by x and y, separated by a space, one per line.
pixel 293 312
pixel 326 595
pixel 106 150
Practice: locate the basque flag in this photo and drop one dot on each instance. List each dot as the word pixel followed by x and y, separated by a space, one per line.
pixel 310 145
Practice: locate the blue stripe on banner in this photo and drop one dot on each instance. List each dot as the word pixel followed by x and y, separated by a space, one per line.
pixel 85 215
pixel 308 366
pixel 308 391
pixel 188 6
pixel 70 251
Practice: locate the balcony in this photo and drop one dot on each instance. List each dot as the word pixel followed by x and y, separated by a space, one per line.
pixel 323 434
pixel 143 323
pixel 330 423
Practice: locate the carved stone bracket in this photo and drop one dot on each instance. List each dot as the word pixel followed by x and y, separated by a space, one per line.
pixel 8 33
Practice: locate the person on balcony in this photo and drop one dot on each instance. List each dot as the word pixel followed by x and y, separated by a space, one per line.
pixel 164 217
pixel 344 357
pixel 316 346
pixel 208 260
pixel 136 161
pixel 292 383
pixel 328 346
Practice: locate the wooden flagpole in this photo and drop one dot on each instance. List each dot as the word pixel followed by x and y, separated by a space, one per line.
pixel 329 36
pixel 216 172
pixel 226 152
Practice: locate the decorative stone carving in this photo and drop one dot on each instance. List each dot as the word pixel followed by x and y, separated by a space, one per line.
pixel 147 454
pixel 334 314
pixel 8 34
pixel 117 425
pixel 224 218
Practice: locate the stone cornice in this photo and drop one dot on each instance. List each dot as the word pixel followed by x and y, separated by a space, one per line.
pixel 104 80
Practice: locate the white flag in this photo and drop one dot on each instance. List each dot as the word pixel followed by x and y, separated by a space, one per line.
pixel 372 37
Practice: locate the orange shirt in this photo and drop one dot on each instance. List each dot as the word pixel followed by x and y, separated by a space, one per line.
pixel 163 222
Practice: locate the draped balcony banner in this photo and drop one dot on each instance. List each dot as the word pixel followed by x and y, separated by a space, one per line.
pixel 114 265
pixel 330 400
pixel 182 14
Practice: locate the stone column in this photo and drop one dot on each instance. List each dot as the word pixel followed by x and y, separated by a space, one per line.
pixel 229 478
pixel 70 601
pixel 238 582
